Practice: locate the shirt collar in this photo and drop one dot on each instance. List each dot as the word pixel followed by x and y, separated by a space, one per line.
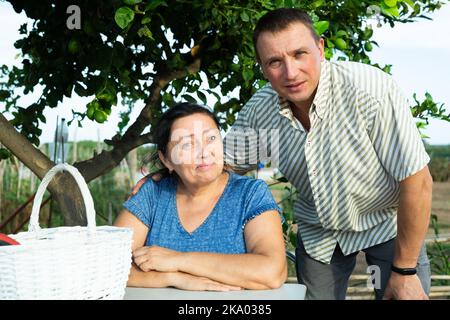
pixel 285 110
pixel 323 90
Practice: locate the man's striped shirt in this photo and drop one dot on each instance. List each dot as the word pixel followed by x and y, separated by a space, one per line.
pixel 363 141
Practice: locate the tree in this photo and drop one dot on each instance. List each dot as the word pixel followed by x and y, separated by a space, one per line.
pixel 159 52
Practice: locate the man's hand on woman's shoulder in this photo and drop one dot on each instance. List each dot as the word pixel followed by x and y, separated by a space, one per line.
pixel 155 176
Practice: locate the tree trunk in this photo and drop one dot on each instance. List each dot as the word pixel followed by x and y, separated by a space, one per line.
pixel 69 200
pixel 63 187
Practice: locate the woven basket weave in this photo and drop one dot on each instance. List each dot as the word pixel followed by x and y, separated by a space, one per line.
pixel 66 262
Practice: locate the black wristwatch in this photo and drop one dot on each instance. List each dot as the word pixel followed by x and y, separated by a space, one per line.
pixel 404 271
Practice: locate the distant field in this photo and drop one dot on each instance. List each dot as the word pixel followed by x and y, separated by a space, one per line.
pixel 441 206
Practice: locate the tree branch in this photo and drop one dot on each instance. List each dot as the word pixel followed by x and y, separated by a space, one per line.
pixel 32 157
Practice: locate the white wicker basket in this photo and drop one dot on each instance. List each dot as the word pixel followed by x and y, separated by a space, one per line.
pixel 66 262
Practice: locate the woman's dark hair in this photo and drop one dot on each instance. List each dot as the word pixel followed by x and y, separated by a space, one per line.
pixel 161 134
pixel 280 19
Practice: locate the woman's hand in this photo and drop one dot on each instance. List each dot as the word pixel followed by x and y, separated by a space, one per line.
pixel 186 281
pixel 157 259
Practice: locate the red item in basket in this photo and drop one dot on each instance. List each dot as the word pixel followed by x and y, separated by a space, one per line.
pixel 6 241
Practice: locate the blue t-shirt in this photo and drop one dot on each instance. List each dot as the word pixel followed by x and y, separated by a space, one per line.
pixel 222 231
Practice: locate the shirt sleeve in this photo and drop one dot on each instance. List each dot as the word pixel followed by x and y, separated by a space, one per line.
pixel 259 200
pixel 396 138
pixel 143 203
pixel 241 141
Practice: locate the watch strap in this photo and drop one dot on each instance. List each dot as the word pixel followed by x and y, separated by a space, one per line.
pixel 404 271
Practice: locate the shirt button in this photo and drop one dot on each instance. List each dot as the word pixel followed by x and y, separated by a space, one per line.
pixel 308 143
pixel 314 172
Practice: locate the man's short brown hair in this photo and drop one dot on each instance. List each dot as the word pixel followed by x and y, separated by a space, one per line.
pixel 278 20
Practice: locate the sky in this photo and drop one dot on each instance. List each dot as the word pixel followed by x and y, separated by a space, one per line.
pixel 419 53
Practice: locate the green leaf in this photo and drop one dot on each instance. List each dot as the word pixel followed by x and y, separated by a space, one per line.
pixel 328 53
pixel 279 3
pixel 235 67
pixel 410 3
pixel 100 116
pixel 367 34
pixel 289 3
pixel 124 16
pixel 91 107
pixel 261 83
pixel 4 94
pixel 329 43
pixel 74 46
pixel 317 4
pixel 340 43
pixel 167 99
pixel 321 26
pixel 177 85
pixel 393 11
pixel 244 16
pixel 390 3
pixel 189 98
pixel 4 154
pixel 108 94
pixel 421 125
pixel 202 97
pixel 247 74
pixel 389 11
pixel 131 2
pixel 145 32
pixel 153 4
pixel 146 20
pixel 41 117
pixel 342 34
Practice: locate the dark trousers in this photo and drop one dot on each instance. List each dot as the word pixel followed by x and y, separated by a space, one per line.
pixel 330 281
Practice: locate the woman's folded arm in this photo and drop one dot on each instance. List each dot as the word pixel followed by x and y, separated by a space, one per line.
pixel 263 267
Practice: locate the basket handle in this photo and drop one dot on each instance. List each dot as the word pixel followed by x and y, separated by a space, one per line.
pixel 87 198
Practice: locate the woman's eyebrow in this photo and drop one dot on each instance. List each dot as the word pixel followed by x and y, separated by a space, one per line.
pixel 192 135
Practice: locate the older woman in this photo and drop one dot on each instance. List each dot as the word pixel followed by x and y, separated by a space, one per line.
pixel 202 227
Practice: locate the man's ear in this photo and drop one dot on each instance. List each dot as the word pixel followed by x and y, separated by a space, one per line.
pixel 262 70
pixel 165 161
pixel 321 45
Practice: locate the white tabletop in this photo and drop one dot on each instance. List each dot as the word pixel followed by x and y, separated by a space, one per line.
pixel 288 291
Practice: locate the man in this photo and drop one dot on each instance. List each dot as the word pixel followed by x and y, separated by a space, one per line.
pixel 349 145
